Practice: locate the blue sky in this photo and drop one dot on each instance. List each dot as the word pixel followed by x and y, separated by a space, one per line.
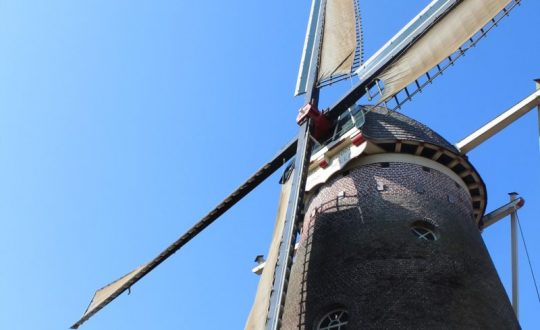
pixel 123 122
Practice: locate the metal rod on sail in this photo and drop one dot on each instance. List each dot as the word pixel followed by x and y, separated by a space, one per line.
pixel 296 200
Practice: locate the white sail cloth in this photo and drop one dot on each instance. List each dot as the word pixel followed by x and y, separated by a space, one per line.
pixel 103 294
pixel 338 42
pixel 443 39
pixel 339 39
pixel 259 311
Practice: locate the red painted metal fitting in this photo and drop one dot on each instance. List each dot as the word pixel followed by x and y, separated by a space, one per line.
pixel 323 163
pixel 320 127
pixel 308 110
pixel 521 202
pixel 358 139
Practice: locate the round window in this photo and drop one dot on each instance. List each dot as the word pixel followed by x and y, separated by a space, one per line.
pixel 425 231
pixel 335 320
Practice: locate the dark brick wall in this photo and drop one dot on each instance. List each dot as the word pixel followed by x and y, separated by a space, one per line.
pixel 357 252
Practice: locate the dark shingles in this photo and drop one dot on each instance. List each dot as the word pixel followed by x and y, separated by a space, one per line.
pixel 382 124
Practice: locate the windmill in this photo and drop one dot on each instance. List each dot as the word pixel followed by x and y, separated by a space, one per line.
pixel 286 153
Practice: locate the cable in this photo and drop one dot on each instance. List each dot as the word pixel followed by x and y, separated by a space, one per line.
pixel 528 257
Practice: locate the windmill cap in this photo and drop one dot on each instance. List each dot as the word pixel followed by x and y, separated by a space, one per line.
pixel 382 124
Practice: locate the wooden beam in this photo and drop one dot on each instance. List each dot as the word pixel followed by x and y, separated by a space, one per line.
pixel 499 123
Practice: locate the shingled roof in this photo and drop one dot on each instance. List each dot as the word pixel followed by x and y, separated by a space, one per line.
pixel 382 124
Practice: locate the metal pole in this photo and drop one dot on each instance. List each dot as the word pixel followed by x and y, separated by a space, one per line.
pixel 513 233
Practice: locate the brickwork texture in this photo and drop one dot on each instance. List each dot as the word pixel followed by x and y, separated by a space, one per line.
pixel 358 253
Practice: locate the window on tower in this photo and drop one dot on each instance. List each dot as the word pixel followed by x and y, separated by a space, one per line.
pixel 335 320
pixel 425 231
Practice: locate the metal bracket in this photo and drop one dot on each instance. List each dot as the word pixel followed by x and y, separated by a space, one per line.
pixel 320 125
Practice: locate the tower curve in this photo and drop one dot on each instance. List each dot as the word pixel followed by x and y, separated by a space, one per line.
pixel 390 238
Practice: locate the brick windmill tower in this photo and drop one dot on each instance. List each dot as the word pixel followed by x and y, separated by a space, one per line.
pixel 391 240
pixel 380 217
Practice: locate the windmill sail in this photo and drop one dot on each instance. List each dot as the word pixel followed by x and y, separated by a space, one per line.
pixel 339 39
pixel 438 36
pixel 340 46
pixel 105 295
pixel 259 312
pixel 442 39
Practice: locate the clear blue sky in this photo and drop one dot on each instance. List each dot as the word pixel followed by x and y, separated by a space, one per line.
pixel 123 122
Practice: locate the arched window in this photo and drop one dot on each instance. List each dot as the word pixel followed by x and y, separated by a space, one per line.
pixel 424 230
pixel 335 320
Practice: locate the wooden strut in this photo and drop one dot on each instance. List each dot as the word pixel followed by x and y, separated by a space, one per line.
pixel 498 124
